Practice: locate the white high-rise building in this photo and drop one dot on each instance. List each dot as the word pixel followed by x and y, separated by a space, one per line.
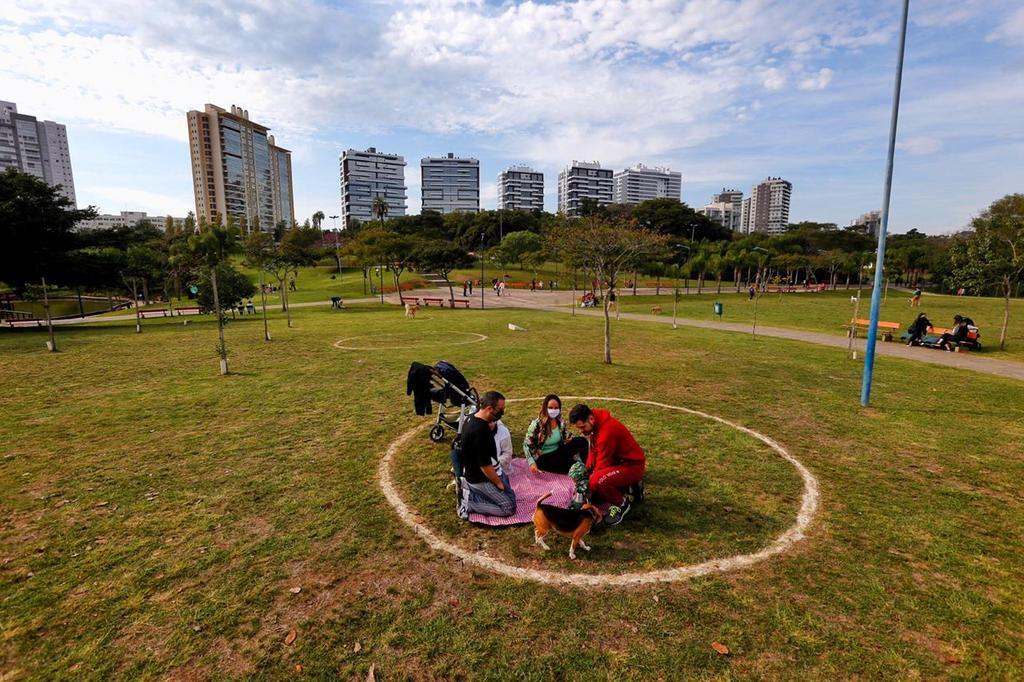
pixel 366 176
pixel 581 182
pixel 726 209
pixel 450 184
pixel 39 148
pixel 872 221
pixel 745 216
pixel 639 183
pixel 521 188
pixel 769 206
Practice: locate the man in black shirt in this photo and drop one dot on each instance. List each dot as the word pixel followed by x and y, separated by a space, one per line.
pixel 485 488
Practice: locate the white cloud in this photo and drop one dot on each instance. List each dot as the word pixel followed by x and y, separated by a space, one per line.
pixel 818 81
pixel 1011 30
pixel 543 82
pixel 919 146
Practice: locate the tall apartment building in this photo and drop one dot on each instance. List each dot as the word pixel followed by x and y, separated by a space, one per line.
pixel 39 148
pixel 640 183
pixel 450 184
pixel 745 216
pixel 769 206
pixel 725 208
pixel 871 221
pixel 238 170
pixel 582 181
pixel 366 176
pixel 520 188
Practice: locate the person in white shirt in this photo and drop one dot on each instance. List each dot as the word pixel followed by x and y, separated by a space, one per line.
pixel 503 443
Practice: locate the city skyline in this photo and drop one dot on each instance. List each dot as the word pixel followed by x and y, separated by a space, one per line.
pixel 725 93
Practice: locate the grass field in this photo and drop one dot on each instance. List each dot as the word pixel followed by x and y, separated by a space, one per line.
pixel 158 518
pixel 829 311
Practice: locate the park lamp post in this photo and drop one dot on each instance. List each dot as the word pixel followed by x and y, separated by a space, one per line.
pixel 335 219
pixel 689 254
pixel 876 292
pixel 757 287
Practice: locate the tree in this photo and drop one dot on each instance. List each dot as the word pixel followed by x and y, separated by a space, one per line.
pixel 36 229
pixel 394 251
pixel 992 257
pixel 518 246
pixel 212 246
pixel 674 218
pixel 297 248
pixel 380 209
pixel 233 287
pixel 259 253
pixel 441 257
pixel 141 263
pixel 609 247
pixel 318 219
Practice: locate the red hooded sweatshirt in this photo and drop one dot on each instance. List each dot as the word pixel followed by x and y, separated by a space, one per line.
pixel 612 443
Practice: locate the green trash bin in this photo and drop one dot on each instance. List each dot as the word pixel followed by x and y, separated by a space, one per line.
pixel 719 309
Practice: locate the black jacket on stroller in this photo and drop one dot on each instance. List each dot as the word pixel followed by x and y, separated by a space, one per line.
pixel 418 385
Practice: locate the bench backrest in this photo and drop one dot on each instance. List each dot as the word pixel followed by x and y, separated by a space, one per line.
pixel 881 323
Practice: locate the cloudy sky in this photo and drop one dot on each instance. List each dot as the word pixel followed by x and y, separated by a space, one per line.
pixel 725 91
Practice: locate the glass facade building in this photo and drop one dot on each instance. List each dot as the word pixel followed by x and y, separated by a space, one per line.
pixel 238 170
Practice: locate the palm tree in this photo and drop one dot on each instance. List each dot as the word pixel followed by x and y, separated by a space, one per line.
pixel 318 218
pixel 380 209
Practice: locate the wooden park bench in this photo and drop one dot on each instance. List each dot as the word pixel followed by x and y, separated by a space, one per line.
pixel 187 311
pixel 887 329
pixel 464 302
pixel 427 300
pixel 26 323
pixel 162 312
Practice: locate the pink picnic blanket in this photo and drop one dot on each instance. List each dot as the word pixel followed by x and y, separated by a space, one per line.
pixel 529 488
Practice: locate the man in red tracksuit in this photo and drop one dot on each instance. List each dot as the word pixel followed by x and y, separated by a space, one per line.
pixel 615 461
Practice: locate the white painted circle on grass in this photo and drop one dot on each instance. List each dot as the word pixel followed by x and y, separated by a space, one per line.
pixel 445 340
pixel 795 533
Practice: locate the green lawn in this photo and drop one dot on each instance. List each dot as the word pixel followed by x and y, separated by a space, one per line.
pixel 829 311
pixel 157 517
pixel 61 307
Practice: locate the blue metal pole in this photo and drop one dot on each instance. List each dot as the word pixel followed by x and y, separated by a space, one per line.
pixel 876 292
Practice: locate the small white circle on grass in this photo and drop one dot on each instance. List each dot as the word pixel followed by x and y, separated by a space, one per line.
pixel 795 533
pixel 447 338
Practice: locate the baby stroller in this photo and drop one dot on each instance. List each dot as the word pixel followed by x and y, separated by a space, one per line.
pixel 455 398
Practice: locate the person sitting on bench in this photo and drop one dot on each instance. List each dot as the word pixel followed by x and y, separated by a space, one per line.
pixel 958 334
pixel 485 488
pixel 917 329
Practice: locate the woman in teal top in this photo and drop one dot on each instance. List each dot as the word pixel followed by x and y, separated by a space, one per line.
pixel 547 445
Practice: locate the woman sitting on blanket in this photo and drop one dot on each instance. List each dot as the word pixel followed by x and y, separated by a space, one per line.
pixel 547 445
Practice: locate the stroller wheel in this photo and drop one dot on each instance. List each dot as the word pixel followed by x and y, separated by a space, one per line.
pixel 437 433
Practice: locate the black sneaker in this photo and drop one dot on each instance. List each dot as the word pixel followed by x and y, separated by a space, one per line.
pixel 617 513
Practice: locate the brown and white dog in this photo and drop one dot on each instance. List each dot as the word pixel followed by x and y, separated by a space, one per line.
pixel 656 310
pixel 410 310
pixel 572 523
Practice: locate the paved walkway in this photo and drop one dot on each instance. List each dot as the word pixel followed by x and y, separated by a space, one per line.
pixel 560 301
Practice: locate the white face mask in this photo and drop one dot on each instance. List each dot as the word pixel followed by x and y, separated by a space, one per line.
pixel 553 413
